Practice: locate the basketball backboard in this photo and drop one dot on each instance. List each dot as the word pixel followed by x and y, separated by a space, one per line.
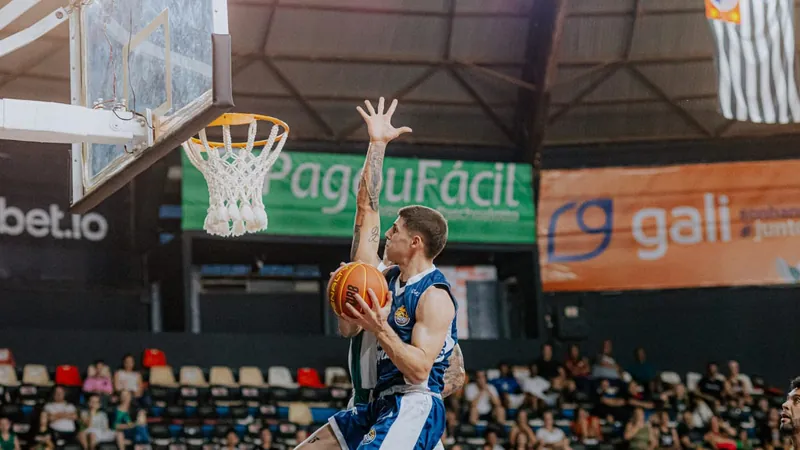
pixel 166 62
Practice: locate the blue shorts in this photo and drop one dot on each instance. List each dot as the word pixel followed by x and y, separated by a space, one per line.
pixel 413 421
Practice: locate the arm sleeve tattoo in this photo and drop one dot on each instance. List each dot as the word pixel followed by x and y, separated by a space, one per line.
pixel 454 375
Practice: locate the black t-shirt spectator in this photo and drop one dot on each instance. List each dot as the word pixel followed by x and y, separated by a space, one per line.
pixel 694 434
pixel 711 386
pixel 547 369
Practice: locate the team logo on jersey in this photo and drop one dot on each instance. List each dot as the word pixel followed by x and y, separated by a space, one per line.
pixel 369 437
pixel 401 316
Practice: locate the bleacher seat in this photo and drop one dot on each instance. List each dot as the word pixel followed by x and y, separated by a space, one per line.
pixel 224 389
pixel 153 357
pixel 692 378
pixel 67 375
pixel 163 387
pixel 279 376
pixel 253 388
pixel 492 374
pixel 308 377
pixel 8 376
pixel 337 377
pixel 670 378
pixel 300 413
pixel 192 376
pixel 36 385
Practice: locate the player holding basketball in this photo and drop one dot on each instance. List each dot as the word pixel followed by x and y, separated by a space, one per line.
pixel 397 414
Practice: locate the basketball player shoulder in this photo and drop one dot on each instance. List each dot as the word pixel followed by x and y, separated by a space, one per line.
pixel 391 272
pixel 437 297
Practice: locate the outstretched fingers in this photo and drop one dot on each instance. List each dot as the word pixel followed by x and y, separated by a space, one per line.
pixel 369 107
pixel 381 104
pixel 392 107
pixel 361 111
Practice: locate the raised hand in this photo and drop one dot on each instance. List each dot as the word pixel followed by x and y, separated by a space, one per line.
pixel 379 123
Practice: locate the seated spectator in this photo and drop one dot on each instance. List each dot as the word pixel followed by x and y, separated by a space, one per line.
pixel 720 435
pixel 711 387
pixel 521 426
pixel 664 435
pixel 642 371
pixel 609 403
pixel 98 380
pixel 761 412
pixel 737 412
pixel 484 400
pixel 638 432
pixel 689 435
pixel 586 428
pixel 492 440
pixel 570 395
pixel 522 442
pixel 551 437
pixel 301 435
pixel 769 433
pixel 676 400
pixel 739 385
pixel 546 366
pixel 605 366
pixel 637 398
pixel 232 440
pixel 62 416
pixel 42 438
pixel 8 439
pixel 122 421
pixel 576 365
pixel 127 378
pixel 506 383
pixel 267 442
pixel 532 405
pixel 97 426
pixel 744 443
pixel 451 422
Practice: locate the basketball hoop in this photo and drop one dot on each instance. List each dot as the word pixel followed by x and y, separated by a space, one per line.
pixel 235 173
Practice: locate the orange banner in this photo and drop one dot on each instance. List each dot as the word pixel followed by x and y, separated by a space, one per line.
pixel 670 227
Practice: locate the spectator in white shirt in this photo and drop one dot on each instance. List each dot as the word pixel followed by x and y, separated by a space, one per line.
pixel 62 415
pixel 484 400
pixel 551 437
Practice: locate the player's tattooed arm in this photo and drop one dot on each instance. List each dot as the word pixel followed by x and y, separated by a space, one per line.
pixel 455 375
pixel 366 231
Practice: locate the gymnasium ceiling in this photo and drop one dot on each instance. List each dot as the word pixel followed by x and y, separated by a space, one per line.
pixel 623 69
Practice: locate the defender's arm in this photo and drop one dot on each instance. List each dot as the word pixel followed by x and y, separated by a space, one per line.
pixel 455 374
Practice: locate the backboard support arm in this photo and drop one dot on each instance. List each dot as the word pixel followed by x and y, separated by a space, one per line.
pixel 33 32
pixel 35 121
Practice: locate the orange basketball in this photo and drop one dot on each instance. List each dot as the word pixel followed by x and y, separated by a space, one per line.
pixel 355 278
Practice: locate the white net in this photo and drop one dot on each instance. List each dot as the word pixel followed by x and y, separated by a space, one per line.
pixel 235 178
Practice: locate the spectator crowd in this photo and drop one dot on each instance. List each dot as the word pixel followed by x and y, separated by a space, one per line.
pixel 569 404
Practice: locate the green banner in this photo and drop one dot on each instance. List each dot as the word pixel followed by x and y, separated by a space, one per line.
pixel 313 194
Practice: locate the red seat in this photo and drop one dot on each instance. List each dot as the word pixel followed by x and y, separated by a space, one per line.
pixel 7 357
pixel 308 377
pixel 67 375
pixel 154 357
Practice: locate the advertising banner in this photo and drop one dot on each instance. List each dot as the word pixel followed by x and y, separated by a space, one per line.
pixel 40 239
pixel 670 227
pixel 314 194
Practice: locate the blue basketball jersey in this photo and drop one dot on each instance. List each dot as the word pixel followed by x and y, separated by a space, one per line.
pixel 402 318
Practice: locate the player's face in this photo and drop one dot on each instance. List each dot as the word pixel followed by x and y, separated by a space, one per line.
pixel 399 242
pixel 790 413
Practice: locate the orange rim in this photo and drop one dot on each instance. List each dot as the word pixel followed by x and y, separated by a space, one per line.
pixel 243 119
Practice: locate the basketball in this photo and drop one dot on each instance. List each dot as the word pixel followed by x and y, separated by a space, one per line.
pixel 355 278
